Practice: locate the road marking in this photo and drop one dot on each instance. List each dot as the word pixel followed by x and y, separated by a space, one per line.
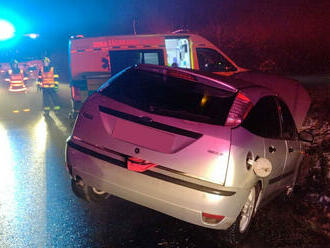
pixel 16 111
pixel 59 124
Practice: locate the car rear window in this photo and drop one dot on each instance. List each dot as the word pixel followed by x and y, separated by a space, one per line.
pixel 170 96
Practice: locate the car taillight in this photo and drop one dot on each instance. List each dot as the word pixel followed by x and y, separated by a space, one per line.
pixel 239 110
pixel 182 75
pixel 75 91
pixel 137 164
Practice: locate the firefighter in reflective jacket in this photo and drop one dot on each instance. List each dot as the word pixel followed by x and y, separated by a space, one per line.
pixel 16 78
pixel 48 86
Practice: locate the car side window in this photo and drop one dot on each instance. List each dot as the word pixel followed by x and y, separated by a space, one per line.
pixel 289 130
pixel 263 119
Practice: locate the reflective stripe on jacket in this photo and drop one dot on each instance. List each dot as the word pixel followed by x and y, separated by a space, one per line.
pixel 47 78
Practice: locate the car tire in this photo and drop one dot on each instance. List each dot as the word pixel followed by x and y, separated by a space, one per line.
pixel 78 189
pixel 238 231
pixel 95 195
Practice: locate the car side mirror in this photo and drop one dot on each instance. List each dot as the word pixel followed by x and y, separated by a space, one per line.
pixel 306 136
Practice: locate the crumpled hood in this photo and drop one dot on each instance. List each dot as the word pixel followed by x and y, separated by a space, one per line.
pixel 290 90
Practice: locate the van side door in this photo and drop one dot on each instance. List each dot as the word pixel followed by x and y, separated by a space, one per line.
pixel 178 52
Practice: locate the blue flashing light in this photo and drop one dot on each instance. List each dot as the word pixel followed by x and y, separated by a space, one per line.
pixel 33 36
pixel 7 30
pixel 14 25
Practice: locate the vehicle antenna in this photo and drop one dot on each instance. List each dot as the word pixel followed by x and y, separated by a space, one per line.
pixel 134 26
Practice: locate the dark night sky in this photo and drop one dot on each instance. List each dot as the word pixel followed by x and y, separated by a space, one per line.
pixel 259 23
pixel 110 16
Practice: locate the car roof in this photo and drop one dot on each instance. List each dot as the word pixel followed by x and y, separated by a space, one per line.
pixel 238 84
pixel 212 79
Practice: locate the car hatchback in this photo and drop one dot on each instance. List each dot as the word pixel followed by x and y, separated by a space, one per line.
pixel 200 147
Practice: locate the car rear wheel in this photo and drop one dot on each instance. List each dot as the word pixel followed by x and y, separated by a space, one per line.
pixel 238 231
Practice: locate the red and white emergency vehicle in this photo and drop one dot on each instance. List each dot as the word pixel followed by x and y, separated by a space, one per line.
pixel 94 60
pixel 16 81
pixel 30 69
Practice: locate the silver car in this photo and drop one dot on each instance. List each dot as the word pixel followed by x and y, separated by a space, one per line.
pixel 200 147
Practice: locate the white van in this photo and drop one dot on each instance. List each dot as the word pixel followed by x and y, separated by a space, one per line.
pixel 94 60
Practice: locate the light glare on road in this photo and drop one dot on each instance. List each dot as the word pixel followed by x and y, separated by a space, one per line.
pixel 7 177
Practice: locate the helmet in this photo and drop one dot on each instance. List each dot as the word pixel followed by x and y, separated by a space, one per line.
pixel 13 62
pixel 46 61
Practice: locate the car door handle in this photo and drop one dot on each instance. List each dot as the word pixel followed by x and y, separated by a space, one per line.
pixel 272 149
pixel 291 149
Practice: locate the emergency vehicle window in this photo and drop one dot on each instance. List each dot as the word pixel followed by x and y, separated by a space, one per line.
pixel 151 58
pixel 119 60
pixel 211 60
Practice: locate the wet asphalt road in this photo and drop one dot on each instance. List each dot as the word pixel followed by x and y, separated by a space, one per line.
pixel 37 206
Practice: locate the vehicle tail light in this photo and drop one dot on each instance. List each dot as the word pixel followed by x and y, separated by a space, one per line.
pixel 212 218
pixel 182 75
pixel 137 164
pixel 239 110
pixel 75 93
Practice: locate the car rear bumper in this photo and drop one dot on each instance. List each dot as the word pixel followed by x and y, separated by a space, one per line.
pixel 17 88
pixel 185 201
